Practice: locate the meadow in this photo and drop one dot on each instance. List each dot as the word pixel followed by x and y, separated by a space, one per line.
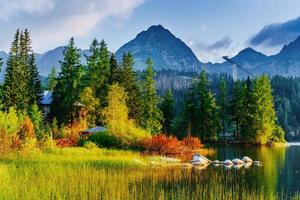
pixel 80 173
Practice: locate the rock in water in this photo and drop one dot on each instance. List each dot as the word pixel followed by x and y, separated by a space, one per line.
pixel 227 162
pixel 246 159
pixel 237 161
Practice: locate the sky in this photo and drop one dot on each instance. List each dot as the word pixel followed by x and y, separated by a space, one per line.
pixel 212 28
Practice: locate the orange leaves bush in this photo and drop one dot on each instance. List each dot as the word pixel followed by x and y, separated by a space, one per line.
pixel 192 142
pixel 26 129
pixel 166 145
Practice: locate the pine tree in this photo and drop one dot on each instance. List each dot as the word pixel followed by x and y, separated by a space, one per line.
pixel 114 75
pixel 264 118
pixel 97 73
pixel 209 122
pixel 19 76
pixel 190 112
pixel 152 116
pixel 167 108
pixel 52 78
pixel 128 80
pixel 237 106
pixel 68 88
pixel 35 88
pixel 223 104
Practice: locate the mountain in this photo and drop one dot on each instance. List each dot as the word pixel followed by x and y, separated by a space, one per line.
pixel 249 56
pixel 167 51
pixel 45 61
pixel 170 53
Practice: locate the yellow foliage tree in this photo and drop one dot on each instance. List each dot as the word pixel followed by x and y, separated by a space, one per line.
pixel 116 117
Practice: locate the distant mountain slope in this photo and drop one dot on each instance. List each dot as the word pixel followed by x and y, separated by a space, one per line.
pixel 170 53
pixel 166 51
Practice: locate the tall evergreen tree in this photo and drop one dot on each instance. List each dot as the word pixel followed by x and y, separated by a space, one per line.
pixel 20 73
pixel 128 80
pixel 35 88
pixel 167 108
pixel 152 116
pixel 237 111
pixel 114 75
pixel 68 88
pixel 97 73
pixel 209 122
pixel 223 104
pixel 264 118
pixel 52 78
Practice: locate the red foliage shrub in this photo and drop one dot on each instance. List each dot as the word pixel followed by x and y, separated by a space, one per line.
pixel 192 142
pixel 26 129
pixel 162 144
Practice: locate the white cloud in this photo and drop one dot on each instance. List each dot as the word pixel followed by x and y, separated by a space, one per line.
pixel 14 7
pixel 53 22
pixel 215 51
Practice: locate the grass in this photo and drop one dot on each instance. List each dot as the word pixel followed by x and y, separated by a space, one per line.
pixel 79 173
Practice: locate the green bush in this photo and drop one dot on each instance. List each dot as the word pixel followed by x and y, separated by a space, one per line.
pixel 89 145
pixel 104 139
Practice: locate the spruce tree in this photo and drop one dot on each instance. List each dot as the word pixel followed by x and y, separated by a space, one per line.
pixel 114 75
pixel 97 73
pixel 35 88
pixel 209 122
pixel 128 80
pixel 223 104
pixel 52 78
pixel 264 118
pixel 190 112
pixel 152 116
pixel 68 88
pixel 21 76
pixel 167 108
pixel 237 106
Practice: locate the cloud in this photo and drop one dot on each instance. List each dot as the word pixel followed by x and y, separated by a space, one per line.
pixel 277 34
pixel 214 52
pixel 53 22
pixel 13 7
pixel 223 43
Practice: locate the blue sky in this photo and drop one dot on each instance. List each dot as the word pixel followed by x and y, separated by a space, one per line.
pixel 212 28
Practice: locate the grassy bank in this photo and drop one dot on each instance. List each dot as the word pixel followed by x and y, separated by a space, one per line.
pixel 79 173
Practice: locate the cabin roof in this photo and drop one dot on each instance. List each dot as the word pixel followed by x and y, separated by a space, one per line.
pixel 95 129
pixel 47 98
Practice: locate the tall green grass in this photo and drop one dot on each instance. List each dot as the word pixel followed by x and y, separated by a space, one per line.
pixel 78 173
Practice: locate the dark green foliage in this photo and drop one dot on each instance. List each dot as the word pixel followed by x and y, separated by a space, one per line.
pixel 223 103
pixel 209 123
pixel 21 86
pixel 128 79
pixel 66 93
pixel 104 139
pixel 152 116
pixel 97 73
pixel 114 75
pixel 52 78
pixel 167 108
pixel 35 88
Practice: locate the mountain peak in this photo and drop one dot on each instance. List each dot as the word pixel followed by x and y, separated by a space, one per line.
pixel 249 55
pixel 167 51
pixel 291 50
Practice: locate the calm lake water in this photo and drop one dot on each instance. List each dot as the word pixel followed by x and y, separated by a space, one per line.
pixel 280 170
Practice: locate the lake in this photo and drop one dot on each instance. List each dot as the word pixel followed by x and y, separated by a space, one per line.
pixel 78 173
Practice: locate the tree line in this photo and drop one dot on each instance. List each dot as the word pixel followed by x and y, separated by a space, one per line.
pixel 110 93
